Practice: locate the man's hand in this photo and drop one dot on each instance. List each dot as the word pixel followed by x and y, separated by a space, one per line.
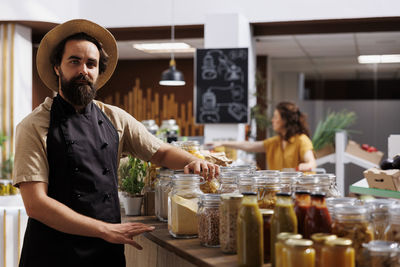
pixel 206 169
pixel 124 232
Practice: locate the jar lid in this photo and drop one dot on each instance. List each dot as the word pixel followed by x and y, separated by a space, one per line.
pixel 262 180
pixel 322 237
pixel 231 196
pixel 286 235
pixel 339 242
pixel 266 212
pixel 382 246
pixel 299 242
pixel 210 198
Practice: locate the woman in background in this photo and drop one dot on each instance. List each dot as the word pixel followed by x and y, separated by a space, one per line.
pixel 290 148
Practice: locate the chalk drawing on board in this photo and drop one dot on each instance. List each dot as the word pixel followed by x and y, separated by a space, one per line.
pixel 208 69
pixel 224 67
pixel 237 110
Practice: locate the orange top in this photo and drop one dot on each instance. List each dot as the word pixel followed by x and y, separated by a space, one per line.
pixel 290 157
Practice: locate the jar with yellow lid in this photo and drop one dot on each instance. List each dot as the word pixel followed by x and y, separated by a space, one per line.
pixel 319 240
pixel 338 252
pixel 228 214
pixel 298 253
pixel 280 245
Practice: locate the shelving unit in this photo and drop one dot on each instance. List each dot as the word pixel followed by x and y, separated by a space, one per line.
pixel 340 158
pixel 361 187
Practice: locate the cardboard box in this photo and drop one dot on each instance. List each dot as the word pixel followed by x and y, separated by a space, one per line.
pixel 326 150
pixel 355 149
pixel 383 179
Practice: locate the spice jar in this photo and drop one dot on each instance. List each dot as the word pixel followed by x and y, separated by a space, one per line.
pixel 208 216
pixel 183 205
pixel 266 188
pixel 228 214
pixel 267 217
pixel 378 210
pixel 162 187
pixel 280 246
pixel 298 253
pixel 283 220
pixel 392 232
pixel 338 252
pixel 228 183
pixel 302 203
pixel 319 240
pixel 382 253
pixel 317 219
pixel 288 180
pixel 352 222
pixel 250 232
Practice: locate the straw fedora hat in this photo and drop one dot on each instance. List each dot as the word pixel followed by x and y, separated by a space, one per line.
pixel 62 31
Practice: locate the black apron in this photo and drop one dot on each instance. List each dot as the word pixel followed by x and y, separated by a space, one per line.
pixel 82 152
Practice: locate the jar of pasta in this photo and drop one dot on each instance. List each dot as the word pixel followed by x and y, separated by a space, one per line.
pixel 228 214
pixel 352 222
pixel 338 252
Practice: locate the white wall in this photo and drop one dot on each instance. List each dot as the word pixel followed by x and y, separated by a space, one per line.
pixel 124 13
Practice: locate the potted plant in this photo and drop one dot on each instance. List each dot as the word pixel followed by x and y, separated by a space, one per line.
pixel 132 173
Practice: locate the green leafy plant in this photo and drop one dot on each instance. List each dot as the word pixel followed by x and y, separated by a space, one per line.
pixel 7 164
pixel 326 129
pixel 132 174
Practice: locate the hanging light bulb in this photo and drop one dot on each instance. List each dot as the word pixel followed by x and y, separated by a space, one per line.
pixel 172 76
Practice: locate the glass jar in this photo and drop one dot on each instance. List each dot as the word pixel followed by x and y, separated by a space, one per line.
pixel 288 180
pixel 169 131
pixel 151 126
pixel 319 240
pixel 228 214
pixel 317 219
pixel 193 147
pixel 162 187
pixel 392 232
pixel 382 253
pixel 352 222
pixel 241 169
pixel 267 217
pixel 267 173
pixel 208 216
pixel 266 188
pixel 331 202
pixel 250 232
pixel 378 210
pixel 306 183
pixel 280 245
pixel 298 253
pixel 228 183
pixel 183 204
pixel 302 203
pixel 283 220
pixel 333 187
pixel 245 182
pixel 338 252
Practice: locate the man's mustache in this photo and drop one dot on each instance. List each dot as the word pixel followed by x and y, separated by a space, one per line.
pixel 82 78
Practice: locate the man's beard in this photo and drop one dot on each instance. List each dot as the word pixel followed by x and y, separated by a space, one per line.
pixel 75 92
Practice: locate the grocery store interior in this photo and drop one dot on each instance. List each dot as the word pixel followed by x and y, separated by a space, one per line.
pixel 337 57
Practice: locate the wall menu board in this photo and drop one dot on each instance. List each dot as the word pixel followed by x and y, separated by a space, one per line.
pixel 221 85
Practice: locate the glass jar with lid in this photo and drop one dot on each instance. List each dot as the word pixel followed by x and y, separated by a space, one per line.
pixel 241 169
pixel 193 147
pixel 228 183
pixel 378 210
pixel 298 253
pixel 169 131
pixel 280 246
pixel 331 202
pixel 229 209
pixel 317 219
pixel 208 216
pixel 352 222
pixel 307 183
pixel 333 188
pixel 382 253
pixel 267 173
pixel 319 240
pixel 183 205
pixel 338 252
pixel 245 182
pixel 288 180
pixel 162 187
pixel 392 232
pixel 266 188
pixel 302 202
pixel 151 126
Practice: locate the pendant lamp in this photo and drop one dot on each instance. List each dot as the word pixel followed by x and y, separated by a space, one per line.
pixel 172 76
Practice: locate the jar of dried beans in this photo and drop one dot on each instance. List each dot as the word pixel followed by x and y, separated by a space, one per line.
pixel 208 217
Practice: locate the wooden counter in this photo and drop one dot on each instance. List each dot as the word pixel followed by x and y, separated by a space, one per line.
pixel 161 249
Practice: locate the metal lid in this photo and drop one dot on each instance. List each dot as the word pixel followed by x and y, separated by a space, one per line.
pixel 231 196
pixel 299 242
pixel 286 235
pixel 339 242
pixel 322 237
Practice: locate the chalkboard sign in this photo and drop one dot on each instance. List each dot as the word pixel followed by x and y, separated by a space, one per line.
pixel 221 85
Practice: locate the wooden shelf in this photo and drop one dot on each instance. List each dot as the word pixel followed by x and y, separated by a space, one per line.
pixel 361 187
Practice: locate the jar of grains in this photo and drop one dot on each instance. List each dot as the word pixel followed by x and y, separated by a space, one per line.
pixel 208 216
pixel 228 211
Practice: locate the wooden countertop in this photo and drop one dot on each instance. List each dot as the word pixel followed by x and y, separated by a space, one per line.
pixel 188 249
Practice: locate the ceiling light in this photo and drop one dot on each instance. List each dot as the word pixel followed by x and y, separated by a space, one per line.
pixel 171 47
pixel 374 59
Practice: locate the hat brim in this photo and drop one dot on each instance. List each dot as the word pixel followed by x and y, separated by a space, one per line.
pixel 62 31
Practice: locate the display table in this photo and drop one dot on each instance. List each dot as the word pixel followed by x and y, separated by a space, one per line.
pixel 361 187
pixel 161 249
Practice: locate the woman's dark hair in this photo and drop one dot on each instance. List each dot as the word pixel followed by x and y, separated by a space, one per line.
pixel 57 53
pixel 295 122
